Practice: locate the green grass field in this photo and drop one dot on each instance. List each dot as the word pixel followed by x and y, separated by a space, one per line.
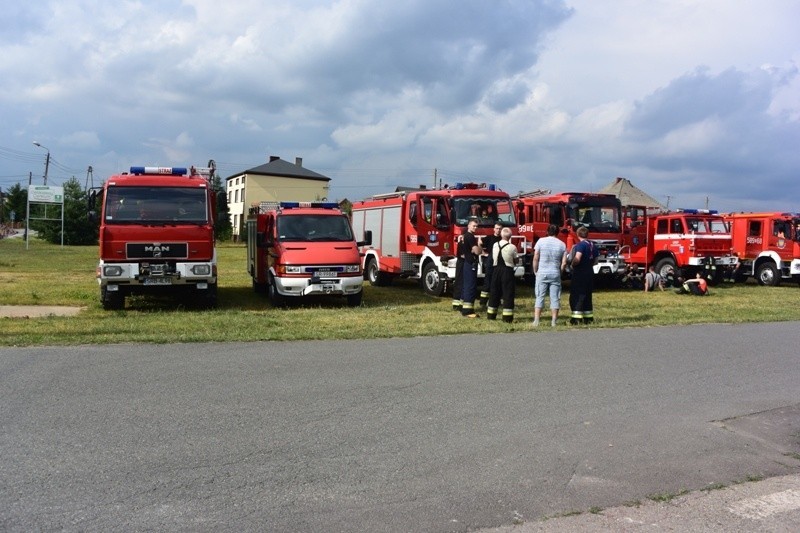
pixel 48 274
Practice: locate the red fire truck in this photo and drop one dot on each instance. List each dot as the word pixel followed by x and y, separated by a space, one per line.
pixel 600 213
pixel 297 249
pixel 768 246
pixel 685 240
pixel 416 232
pixel 157 235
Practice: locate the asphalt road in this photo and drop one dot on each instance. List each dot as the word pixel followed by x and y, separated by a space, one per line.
pixel 424 434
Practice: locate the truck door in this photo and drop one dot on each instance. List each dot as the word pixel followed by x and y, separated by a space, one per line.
pixel 755 240
pixel 423 215
pixel 780 239
pixel 270 242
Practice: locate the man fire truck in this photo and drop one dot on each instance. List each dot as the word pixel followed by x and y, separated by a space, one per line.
pixel 157 235
pixel 684 241
pixel 297 249
pixel 768 246
pixel 600 213
pixel 416 232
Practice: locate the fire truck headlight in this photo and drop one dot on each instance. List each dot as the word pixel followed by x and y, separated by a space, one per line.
pixel 201 270
pixel 293 269
pixel 111 271
pixel 352 268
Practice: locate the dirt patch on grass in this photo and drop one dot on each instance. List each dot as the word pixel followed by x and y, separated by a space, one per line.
pixel 37 311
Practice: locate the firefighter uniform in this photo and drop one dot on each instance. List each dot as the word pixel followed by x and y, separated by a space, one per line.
pixel 469 276
pixel 487 244
pixel 582 284
pixel 458 280
pixel 504 257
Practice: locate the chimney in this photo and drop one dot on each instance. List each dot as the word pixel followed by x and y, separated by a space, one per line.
pixel 298 161
pixel 273 158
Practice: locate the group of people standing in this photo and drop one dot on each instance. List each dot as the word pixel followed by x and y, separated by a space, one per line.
pixel 550 261
pixel 499 256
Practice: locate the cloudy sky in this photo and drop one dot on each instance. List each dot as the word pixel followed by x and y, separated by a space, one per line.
pixel 694 101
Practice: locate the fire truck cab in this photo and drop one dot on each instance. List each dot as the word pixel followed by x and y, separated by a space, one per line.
pixel 768 246
pixel 685 241
pixel 297 249
pixel 600 213
pixel 157 235
pixel 416 232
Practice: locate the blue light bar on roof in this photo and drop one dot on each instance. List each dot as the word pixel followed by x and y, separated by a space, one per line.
pixel 170 171
pixel 699 211
pixel 323 205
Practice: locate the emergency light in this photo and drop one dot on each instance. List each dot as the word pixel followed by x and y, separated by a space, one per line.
pixel 698 211
pixel 295 205
pixel 171 171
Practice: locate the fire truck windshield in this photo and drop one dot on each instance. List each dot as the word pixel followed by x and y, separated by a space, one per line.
pixel 307 228
pixel 487 211
pixel 596 218
pixel 156 205
pixel 706 226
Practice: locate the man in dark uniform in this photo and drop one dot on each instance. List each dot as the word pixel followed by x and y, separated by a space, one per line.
pixel 582 283
pixel 504 256
pixel 487 244
pixel 459 279
pixel 469 289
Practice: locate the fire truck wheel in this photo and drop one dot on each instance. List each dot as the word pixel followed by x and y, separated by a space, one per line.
pixel 275 297
pixel 210 297
pixel 432 282
pixel 259 288
pixel 767 274
pixel 375 276
pixel 354 300
pixel 111 301
pixel 664 264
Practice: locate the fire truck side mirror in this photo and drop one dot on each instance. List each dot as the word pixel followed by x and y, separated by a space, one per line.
pixel 367 239
pixel 261 240
pixel 91 203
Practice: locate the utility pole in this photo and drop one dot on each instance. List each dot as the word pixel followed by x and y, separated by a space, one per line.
pixel 46 161
pixel 668 199
pixel 89 176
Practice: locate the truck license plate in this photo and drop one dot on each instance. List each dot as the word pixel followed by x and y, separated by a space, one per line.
pixel 158 281
pixel 326 274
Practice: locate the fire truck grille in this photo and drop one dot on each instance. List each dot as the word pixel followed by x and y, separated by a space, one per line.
pixel 606 246
pixel 157 250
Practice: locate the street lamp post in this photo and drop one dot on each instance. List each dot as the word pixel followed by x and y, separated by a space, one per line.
pixel 46 161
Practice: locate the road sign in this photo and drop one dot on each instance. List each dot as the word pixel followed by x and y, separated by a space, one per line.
pixel 45 194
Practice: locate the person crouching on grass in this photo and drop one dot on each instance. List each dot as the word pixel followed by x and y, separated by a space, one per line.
pixel 697 286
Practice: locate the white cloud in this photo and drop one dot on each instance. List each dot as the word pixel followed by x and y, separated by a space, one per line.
pixel 540 93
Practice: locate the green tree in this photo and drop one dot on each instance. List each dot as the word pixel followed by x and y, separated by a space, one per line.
pixel 16 200
pixel 78 229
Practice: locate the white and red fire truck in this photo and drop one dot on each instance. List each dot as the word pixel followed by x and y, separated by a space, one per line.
pixel 157 235
pixel 685 241
pixel 297 249
pixel 768 246
pixel 600 213
pixel 416 232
